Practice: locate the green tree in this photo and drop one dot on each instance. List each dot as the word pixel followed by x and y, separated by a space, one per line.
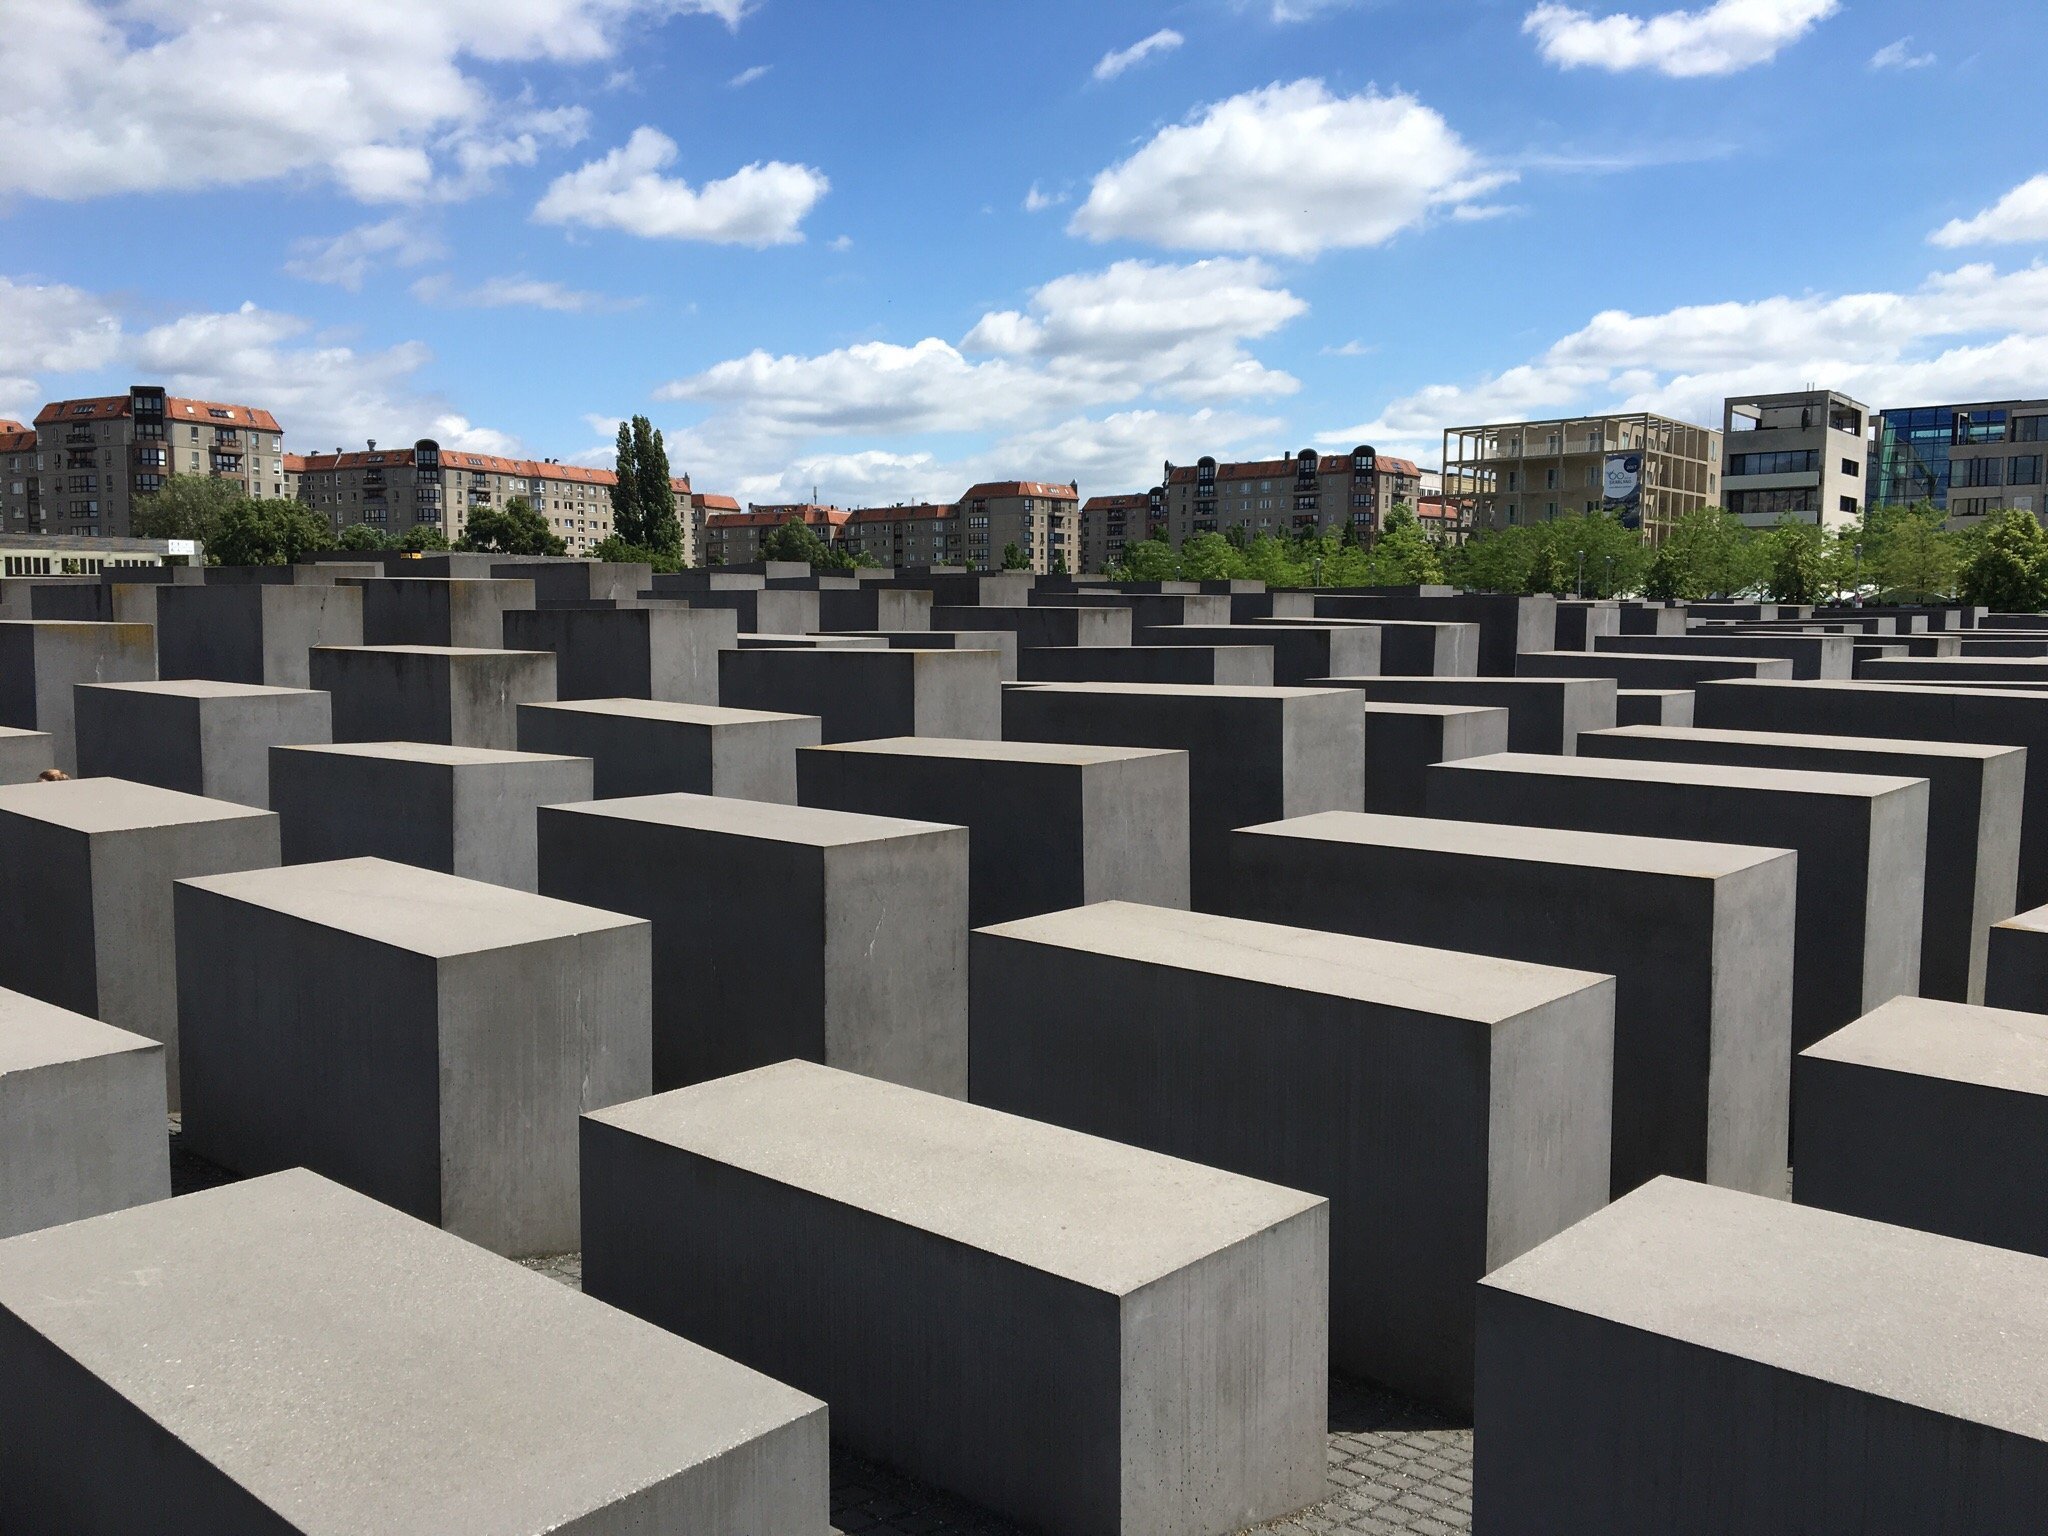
pixel 513 529
pixel 660 527
pixel 1276 562
pixel 1147 559
pixel 187 507
pixel 1596 554
pixel 628 522
pixel 2007 567
pixel 1909 553
pixel 1494 559
pixel 1209 557
pixel 1706 553
pixel 1794 562
pixel 423 538
pixel 267 533
pixel 361 536
pixel 797 540
pixel 1402 554
pixel 1014 558
pixel 617 549
pixel 1546 571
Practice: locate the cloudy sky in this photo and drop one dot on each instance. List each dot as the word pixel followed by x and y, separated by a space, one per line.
pixel 883 247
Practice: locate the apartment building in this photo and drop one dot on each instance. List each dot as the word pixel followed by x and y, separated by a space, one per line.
pixel 1307 493
pixel 923 533
pixel 18 473
pixel 1110 522
pixel 734 538
pixel 1799 455
pixel 1646 468
pixel 1442 517
pixel 93 458
pixel 1968 459
pixel 1043 521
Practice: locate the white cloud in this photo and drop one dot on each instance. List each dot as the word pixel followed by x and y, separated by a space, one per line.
pixel 840 243
pixel 1721 38
pixel 1112 64
pixel 514 293
pixel 759 205
pixel 1972 333
pixel 55 328
pixel 1900 55
pixel 1036 201
pixel 379 97
pixel 347 258
pixel 2020 215
pixel 747 77
pixel 1290 170
pixel 460 434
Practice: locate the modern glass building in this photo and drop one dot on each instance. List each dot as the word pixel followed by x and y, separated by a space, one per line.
pixel 1912 453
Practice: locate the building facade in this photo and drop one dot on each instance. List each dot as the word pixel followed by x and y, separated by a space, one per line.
pixel 921 534
pixel 1444 518
pixel 1799 455
pixel 19 472
pixel 734 538
pixel 1969 460
pixel 1308 493
pixel 1647 468
pixel 1110 522
pixel 1043 521
pixel 93 458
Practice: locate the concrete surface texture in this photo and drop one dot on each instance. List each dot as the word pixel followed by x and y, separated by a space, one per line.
pixel 1084 1335
pixel 1254 754
pixel 81 1117
pixel 1453 1108
pixel 1698 937
pixel 782 931
pixel 425 610
pixel 1409 647
pixel 432 1045
pixel 1050 825
pixel 1241 666
pixel 646 653
pixel 306 1360
pixel 1041 626
pixel 859 695
pixel 465 811
pixel 1544 714
pixel 1642 670
pixel 2016 964
pixel 1002 641
pixel 202 737
pixel 1932 1115
pixel 1861 841
pixel 1812 656
pixel 258 632
pixel 85 898
pixel 650 747
pixel 1653 706
pixel 1864 1377
pixel 1302 649
pixel 1974 798
pixel 1402 740
pixel 42 661
pixel 25 755
pixel 436 693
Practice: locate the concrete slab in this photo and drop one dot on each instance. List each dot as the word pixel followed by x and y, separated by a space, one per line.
pixel 1544 714
pixel 426 610
pixel 1812 656
pixel 86 868
pixel 25 756
pixel 1640 670
pixel 195 735
pixel 432 693
pixel 1864 1377
pixel 1302 649
pixel 1508 625
pixel 431 1042
pixel 1409 647
pixel 1236 666
pixel 1861 841
pixel 252 632
pixel 782 931
pixel 1036 627
pixel 643 653
pixel 1974 799
pixel 860 695
pixel 2016 962
pixel 1453 1108
pixel 304 1360
pixel 1080 1335
pixel 1002 641
pixel 1402 740
pixel 81 1117
pixel 649 747
pixel 1653 706
pixel 1050 825
pixel 43 660
pixel 1698 937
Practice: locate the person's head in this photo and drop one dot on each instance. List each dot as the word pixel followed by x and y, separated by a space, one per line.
pixel 53 775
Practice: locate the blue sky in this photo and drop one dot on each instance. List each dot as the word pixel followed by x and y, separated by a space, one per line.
pixel 885 249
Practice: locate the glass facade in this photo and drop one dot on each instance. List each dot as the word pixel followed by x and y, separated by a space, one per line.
pixel 1909 457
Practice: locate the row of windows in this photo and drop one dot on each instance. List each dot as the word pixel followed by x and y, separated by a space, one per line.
pixel 1796 461
pixel 2019 469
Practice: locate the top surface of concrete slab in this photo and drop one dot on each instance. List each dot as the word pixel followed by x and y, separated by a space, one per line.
pixel 1069 754
pixel 409 908
pixel 1180 690
pixel 34 1034
pixel 1440 711
pixel 1991 1047
pixel 1878 690
pixel 428 752
pixel 1550 845
pixel 89 625
pixel 1804 781
pixel 357 1370
pixel 1478 988
pixel 2033 921
pixel 1902 746
pixel 205 688
pixel 18 733
pixel 428 650
pixel 1100 1213
pixel 115 805
pixel 658 709
pixel 1874 1308
pixel 808 825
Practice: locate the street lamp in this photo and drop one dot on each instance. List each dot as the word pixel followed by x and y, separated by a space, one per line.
pixel 1857 599
pixel 1579 588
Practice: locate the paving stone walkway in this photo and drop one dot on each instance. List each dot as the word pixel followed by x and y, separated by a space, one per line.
pixel 1396 1469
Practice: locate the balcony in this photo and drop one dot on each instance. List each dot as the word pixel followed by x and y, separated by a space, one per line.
pixel 79 435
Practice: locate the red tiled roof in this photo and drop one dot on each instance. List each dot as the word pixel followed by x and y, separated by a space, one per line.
pixel 294 463
pixel 176 407
pixel 706 501
pixel 991 488
pixel 775 517
pixel 1124 503
pixel 15 438
pixel 530 469
pixel 8 424
pixel 919 512
pixel 1274 469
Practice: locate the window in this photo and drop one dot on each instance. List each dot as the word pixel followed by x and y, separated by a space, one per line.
pixel 2024 469
pixel 1976 472
pixel 2030 429
pixel 1793 462
pixel 1852 469
pixel 1550 479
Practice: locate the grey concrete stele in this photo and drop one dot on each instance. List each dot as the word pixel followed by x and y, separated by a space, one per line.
pixel 253 632
pixel 1403 740
pixel 81 1117
pixel 25 756
pixel 781 930
pixel 1050 825
pixel 1545 714
pixel 1811 656
pixel 648 747
pixel 2016 962
pixel 1407 647
pixel 641 653
pixel 1080 1335
pixel 1637 670
pixel 436 693
pixel 1698 937
pixel 85 902
pixel 1254 754
pixel 1932 1115
pixel 430 610
pixel 1035 627
pixel 1696 1362
pixel 431 1041
pixel 42 661
pixel 1301 650
pixel 1653 706
pixel 861 695
pixel 1861 841
pixel 1002 641
pixel 1974 796
pixel 306 1361
pixel 191 734
pixel 1239 666
pixel 465 811
pixel 1453 1108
